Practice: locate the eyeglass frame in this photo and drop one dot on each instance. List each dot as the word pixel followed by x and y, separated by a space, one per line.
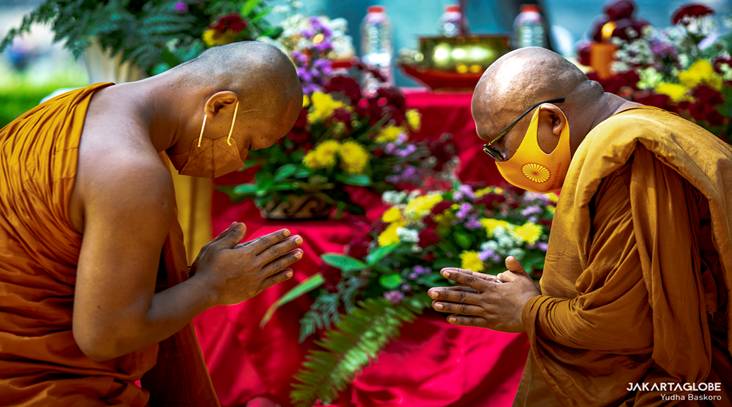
pixel 498 155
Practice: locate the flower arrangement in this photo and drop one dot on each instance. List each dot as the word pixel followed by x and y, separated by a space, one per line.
pixel 685 68
pixel 344 138
pixel 381 281
pixel 153 35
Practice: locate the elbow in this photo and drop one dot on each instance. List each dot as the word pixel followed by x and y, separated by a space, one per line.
pixel 96 345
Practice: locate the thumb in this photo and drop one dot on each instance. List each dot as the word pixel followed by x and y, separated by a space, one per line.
pixel 230 237
pixel 514 266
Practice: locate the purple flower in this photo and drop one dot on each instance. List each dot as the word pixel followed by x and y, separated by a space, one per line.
pixel 390 148
pixel 299 57
pixel 324 46
pixel 180 7
pixel 531 210
pixel 486 254
pixel 408 150
pixel 394 296
pixel 663 49
pixel 542 246
pixel 310 88
pixel 473 224
pixel 409 172
pixel 325 66
pixel 464 192
pixel 464 211
pixel 308 33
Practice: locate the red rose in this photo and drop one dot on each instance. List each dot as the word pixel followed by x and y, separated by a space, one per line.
pixel 346 86
pixel 653 99
pixel 490 201
pixel 441 207
pixel 583 53
pixel 428 237
pixel 690 10
pixel 429 257
pixel 707 95
pixel 358 248
pixel 343 116
pixel 332 277
pixel 230 22
pixel 619 9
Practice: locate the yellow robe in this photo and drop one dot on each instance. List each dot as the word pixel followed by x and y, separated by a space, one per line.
pixel 637 279
pixel 40 363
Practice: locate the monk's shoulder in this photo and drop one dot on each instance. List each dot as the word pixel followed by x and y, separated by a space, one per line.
pixel 123 180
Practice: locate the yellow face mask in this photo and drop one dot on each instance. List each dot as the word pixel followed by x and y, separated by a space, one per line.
pixel 531 168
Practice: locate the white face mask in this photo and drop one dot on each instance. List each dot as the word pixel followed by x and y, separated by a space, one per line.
pixel 210 157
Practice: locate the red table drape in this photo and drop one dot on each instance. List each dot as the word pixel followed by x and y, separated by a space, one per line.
pixel 431 364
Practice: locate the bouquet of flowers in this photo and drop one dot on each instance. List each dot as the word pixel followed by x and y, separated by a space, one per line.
pixel 366 294
pixel 342 137
pixel 153 35
pixel 685 68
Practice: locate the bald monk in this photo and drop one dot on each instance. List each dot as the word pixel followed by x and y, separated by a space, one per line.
pixel 93 274
pixel 636 285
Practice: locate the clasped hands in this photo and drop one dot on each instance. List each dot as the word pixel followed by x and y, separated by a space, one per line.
pixel 485 300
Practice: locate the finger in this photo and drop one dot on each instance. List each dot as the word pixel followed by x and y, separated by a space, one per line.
pixel 468 321
pixel 280 249
pixel 229 237
pixel 282 263
pixel 515 266
pixel 461 309
pixel 507 276
pixel 450 294
pixel 264 242
pixel 465 277
pixel 277 278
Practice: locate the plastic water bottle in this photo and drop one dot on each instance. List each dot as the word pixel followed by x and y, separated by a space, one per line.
pixel 450 21
pixel 376 47
pixel 528 28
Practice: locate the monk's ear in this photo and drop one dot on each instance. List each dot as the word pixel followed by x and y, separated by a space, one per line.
pixel 553 118
pixel 220 100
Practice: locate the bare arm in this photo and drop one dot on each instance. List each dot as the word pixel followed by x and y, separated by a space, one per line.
pixel 128 210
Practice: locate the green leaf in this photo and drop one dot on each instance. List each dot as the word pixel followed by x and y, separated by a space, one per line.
pixel 245 189
pixel 345 263
pixel 356 340
pixel 303 288
pixel 285 172
pixel 249 6
pixel 360 180
pixel 463 240
pixel 379 254
pixel 442 263
pixel 390 281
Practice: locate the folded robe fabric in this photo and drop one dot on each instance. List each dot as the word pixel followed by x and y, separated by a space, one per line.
pixel 638 272
pixel 40 363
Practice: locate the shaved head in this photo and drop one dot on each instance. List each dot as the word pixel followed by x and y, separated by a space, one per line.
pixel 247 68
pixel 522 78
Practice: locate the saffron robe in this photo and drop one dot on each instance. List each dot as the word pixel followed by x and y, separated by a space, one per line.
pixel 40 362
pixel 638 272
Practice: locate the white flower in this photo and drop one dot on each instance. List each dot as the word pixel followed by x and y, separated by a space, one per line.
pixel 394 197
pixel 517 253
pixel 489 245
pixel 408 235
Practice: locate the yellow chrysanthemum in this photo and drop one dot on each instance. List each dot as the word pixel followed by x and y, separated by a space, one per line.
pixel 528 232
pixel 389 133
pixel 498 190
pixel 354 157
pixel 323 155
pixel 389 235
pixel 305 100
pixel 675 91
pixel 393 214
pixel 551 209
pixel 420 206
pixel 414 119
pixel 552 197
pixel 322 106
pixel 491 224
pixel 470 260
pixel 483 192
pixel 213 38
pixel 699 72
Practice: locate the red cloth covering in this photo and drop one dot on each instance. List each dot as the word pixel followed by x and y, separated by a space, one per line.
pixel 431 364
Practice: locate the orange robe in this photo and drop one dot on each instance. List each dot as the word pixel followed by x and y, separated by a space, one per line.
pixel 40 363
pixel 637 279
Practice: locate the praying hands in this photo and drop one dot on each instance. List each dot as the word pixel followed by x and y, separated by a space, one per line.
pixel 484 300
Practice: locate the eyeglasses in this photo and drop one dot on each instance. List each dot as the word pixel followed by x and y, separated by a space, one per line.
pixel 497 154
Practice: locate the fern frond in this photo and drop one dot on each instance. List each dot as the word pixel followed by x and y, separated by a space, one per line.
pixel 356 339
